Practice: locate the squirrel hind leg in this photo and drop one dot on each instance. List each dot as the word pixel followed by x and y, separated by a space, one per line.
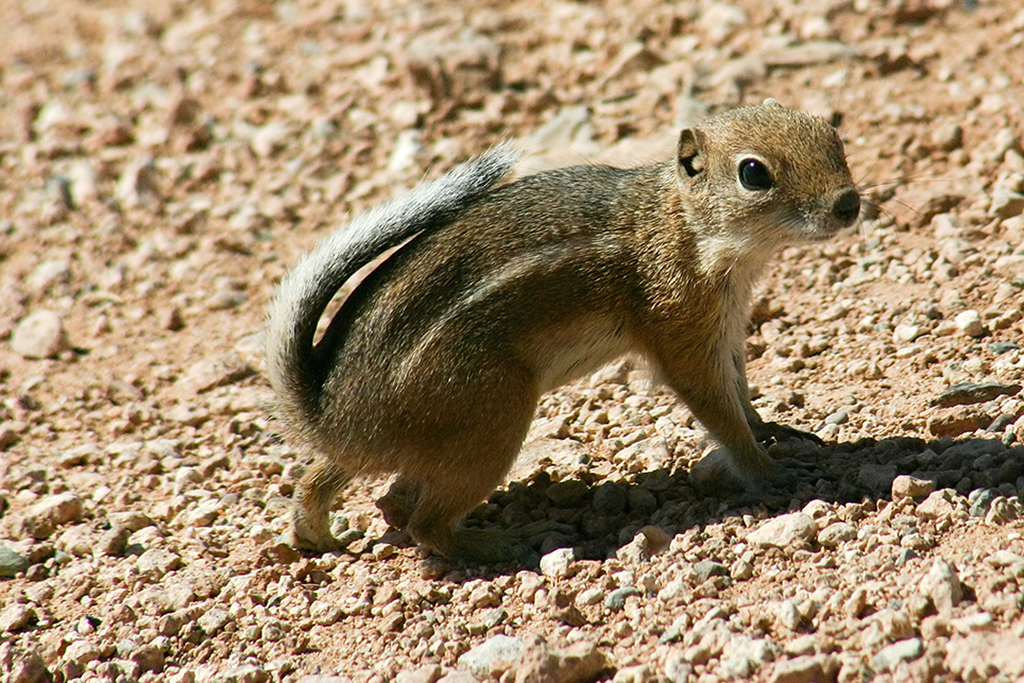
pixel 436 521
pixel 436 528
pixel 311 522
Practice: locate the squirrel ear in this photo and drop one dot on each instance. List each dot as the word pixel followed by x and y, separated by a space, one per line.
pixel 689 155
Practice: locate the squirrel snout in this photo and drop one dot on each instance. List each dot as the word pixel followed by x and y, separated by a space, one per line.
pixel 846 206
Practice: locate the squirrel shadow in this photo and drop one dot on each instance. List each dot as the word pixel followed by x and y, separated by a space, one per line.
pixel 598 517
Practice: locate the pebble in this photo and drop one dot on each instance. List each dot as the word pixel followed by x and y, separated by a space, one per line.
pixel 705 569
pixel 965 393
pixel 156 562
pixel 979 621
pixel 956 421
pixel 904 333
pixel 485 595
pixel 837 418
pixel 979 657
pixel 499 649
pixel 1003 511
pixel 1006 203
pixel 557 563
pixel 980 501
pixel 788 615
pixel 79 540
pixel 720 21
pixel 642 501
pixel 648 542
pixel 82 652
pixel 48 274
pixel 571 493
pixel 890 656
pixel 937 505
pixel 149 657
pixel 541 662
pixel 213 621
pixel 947 136
pixel 905 486
pixel 741 570
pixel 677 668
pixel 43 518
pixel 242 673
pixel 1005 558
pixel 743 656
pixel 11 562
pixel 589 596
pixel 451 677
pixel 876 476
pixel 270 138
pixel 273 632
pixel 637 673
pixel 429 673
pixel 941 585
pixel 23 666
pixel 969 323
pixel 609 499
pixel 15 617
pixel 837 533
pixel 616 600
pixel 811 52
pixel 805 669
pixel 39 335
pixel 138 184
pixel 998 348
pixel 796 529
pixel 165 598
pixel 571 129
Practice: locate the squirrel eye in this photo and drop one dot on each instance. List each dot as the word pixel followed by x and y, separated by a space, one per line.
pixel 754 175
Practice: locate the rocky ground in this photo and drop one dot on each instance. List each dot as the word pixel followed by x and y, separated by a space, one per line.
pixel 164 163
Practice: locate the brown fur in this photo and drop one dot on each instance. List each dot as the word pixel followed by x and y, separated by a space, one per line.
pixel 434 365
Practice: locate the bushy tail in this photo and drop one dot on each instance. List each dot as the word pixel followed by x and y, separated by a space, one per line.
pixel 309 288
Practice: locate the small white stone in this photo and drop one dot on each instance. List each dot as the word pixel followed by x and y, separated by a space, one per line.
pixel 39 335
pixel 969 322
pixel 557 562
pixel 795 529
pixel 589 596
pixel 981 621
pixel 905 333
pixel 788 614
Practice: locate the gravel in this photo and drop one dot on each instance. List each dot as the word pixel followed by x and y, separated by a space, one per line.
pixel 165 164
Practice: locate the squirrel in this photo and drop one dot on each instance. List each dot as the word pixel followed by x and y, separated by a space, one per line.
pixel 496 293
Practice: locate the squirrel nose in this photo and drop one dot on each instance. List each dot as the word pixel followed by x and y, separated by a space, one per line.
pixel 846 207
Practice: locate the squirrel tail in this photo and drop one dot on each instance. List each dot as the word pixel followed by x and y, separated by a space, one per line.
pixel 306 291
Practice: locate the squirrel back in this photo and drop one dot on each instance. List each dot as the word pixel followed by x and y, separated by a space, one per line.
pixel 307 290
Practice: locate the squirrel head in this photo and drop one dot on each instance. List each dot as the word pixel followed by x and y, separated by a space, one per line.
pixel 773 176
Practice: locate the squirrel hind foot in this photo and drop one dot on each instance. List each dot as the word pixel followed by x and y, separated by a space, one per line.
pixel 477 547
pixel 312 536
pixel 719 472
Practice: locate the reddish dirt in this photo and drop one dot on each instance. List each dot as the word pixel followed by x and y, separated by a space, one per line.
pixel 164 164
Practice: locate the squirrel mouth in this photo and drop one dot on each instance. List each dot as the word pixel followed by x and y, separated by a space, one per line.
pixel 821 228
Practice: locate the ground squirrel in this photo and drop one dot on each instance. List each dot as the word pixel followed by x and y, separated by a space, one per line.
pixel 433 366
